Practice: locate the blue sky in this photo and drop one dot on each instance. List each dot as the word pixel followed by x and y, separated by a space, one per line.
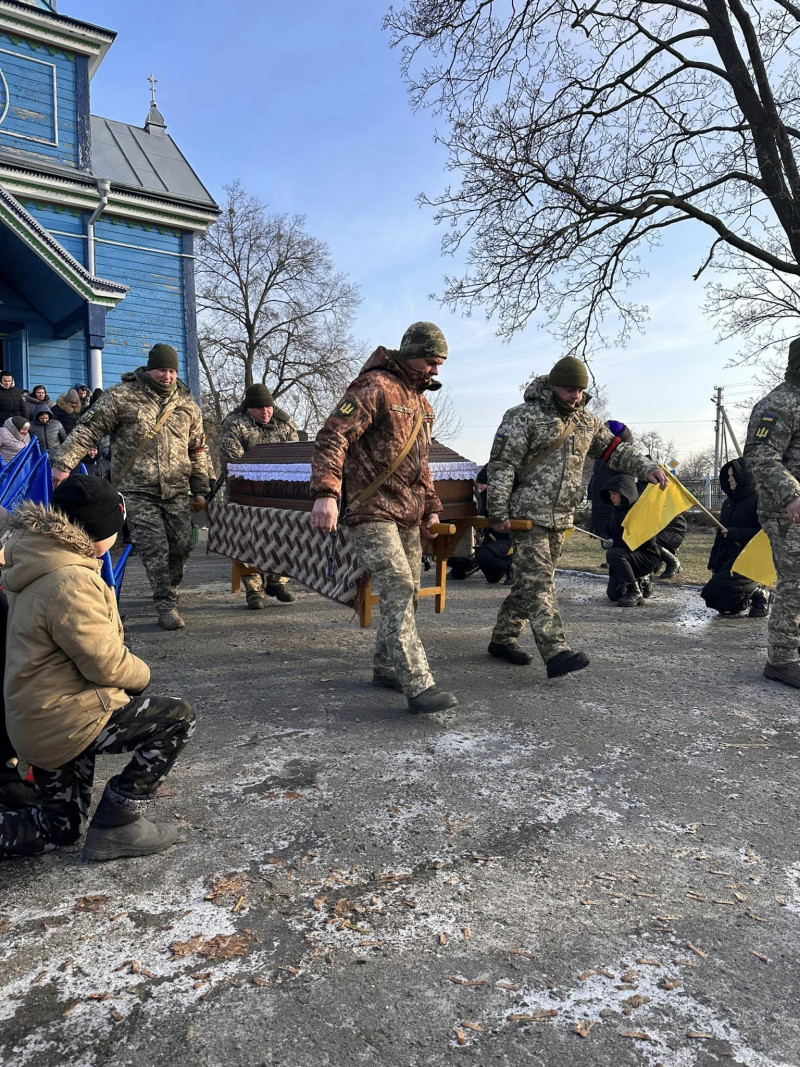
pixel 304 103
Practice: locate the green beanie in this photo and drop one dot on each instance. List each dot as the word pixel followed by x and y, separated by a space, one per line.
pixel 162 357
pixel 423 340
pixel 258 396
pixel 570 373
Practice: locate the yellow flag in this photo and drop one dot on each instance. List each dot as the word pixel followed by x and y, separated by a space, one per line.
pixel 755 561
pixel 568 533
pixel 655 509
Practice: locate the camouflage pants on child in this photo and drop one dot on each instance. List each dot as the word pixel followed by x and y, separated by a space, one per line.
pixel 393 556
pixel 154 728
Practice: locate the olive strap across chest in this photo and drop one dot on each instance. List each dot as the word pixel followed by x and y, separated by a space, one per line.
pixel 118 479
pixel 374 486
pixel 540 457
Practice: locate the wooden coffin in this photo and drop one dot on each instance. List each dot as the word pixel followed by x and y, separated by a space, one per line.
pixel 277 476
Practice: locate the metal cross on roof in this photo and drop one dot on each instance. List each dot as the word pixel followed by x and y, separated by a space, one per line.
pixel 153 80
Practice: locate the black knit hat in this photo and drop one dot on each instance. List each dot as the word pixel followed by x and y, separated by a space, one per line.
pixel 162 357
pixel 92 503
pixel 258 396
pixel 20 422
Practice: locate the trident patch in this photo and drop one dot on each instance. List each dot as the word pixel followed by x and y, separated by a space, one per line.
pixel 346 408
pixel 765 427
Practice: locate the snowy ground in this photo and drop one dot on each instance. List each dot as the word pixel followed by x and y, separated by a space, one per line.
pixel 599 870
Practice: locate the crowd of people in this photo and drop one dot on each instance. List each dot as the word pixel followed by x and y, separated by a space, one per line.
pixel 64 626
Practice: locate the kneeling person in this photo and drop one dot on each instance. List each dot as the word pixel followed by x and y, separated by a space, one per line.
pixel 629 569
pixel 72 688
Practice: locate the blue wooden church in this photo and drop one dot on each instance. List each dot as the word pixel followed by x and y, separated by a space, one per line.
pixel 98 218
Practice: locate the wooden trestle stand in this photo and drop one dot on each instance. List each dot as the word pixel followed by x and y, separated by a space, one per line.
pixel 449 534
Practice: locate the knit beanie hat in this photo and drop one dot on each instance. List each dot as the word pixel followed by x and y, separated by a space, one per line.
pixel 20 422
pixel 92 503
pixel 423 340
pixel 570 373
pixel 72 397
pixel 619 429
pixel 258 396
pixel 162 357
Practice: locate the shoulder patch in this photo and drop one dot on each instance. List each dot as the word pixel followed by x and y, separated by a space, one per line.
pixel 498 445
pixel 347 408
pixel 86 417
pixel 765 426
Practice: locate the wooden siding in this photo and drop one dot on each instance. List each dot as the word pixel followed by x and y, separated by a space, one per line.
pixel 153 310
pixel 60 221
pixel 55 364
pixel 39 96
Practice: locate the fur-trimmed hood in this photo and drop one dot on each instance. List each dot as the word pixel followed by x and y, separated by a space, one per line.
pixel 44 541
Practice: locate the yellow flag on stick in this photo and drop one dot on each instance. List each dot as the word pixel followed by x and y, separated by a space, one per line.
pixel 568 533
pixel 655 509
pixel 755 561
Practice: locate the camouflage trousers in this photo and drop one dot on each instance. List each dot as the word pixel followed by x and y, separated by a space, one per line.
pixel 162 533
pixel 783 627
pixel 393 556
pixel 154 728
pixel 533 595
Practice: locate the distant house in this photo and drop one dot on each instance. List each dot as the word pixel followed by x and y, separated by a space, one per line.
pixel 98 218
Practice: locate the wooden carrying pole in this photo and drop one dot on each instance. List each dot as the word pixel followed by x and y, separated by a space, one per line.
pixel 481 523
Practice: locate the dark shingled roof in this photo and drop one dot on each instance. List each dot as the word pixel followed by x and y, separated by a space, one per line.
pixel 151 162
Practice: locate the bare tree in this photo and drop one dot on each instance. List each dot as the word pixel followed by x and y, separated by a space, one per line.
pixel 273 310
pixel 448 421
pixel 696 466
pixel 581 131
pixel 656 446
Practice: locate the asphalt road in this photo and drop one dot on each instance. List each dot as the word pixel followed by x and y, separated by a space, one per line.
pixel 599 870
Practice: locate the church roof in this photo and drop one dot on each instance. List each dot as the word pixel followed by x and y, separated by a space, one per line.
pixel 135 159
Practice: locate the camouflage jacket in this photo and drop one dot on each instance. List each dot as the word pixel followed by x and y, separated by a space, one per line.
pixel 549 492
pixel 772 450
pixel 170 465
pixel 366 432
pixel 241 432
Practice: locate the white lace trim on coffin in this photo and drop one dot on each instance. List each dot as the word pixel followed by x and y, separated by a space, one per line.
pixel 301 472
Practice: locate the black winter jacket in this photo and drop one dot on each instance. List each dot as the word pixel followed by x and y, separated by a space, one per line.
pixel 11 403
pixel 739 516
pixel 625 485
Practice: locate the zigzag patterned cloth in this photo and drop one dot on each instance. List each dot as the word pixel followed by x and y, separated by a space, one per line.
pixel 285 542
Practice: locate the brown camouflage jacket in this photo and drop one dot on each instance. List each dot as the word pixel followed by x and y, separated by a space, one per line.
pixel 241 432
pixel 170 465
pixel 366 432
pixel 772 450
pixel 549 492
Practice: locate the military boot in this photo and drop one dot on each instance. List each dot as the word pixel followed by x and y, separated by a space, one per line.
pixel 673 564
pixel 256 600
pixel 279 591
pixel 117 832
pixel 788 673
pixel 759 604
pixel 632 597
pixel 646 586
pixel 170 620
pixel 432 699
pixel 565 663
pixel 510 651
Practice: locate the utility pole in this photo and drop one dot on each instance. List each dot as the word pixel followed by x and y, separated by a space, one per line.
pixel 718 429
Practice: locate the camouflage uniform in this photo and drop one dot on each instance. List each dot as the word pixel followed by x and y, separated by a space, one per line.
pixel 359 441
pixel 546 493
pixel 166 470
pixel 240 433
pixel 154 728
pixel 772 452
pixel 393 556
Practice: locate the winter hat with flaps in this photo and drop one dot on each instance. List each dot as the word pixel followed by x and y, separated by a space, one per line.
pixel 92 503
pixel 569 373
pixel 793 366
pixel 423 340
pixel 162 357
pixel 258 396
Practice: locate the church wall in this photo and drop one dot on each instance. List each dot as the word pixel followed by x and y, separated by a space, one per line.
pixel 66 224
pixel 56 364
pixel 40 89
pixel 153 310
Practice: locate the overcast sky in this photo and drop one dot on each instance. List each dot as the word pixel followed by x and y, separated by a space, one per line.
pixel 304 103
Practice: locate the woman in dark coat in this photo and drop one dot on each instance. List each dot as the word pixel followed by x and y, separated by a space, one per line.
pixel 36 397
pixel 48 431
pixel 602 510
pixel 728 593
pixel 626 566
